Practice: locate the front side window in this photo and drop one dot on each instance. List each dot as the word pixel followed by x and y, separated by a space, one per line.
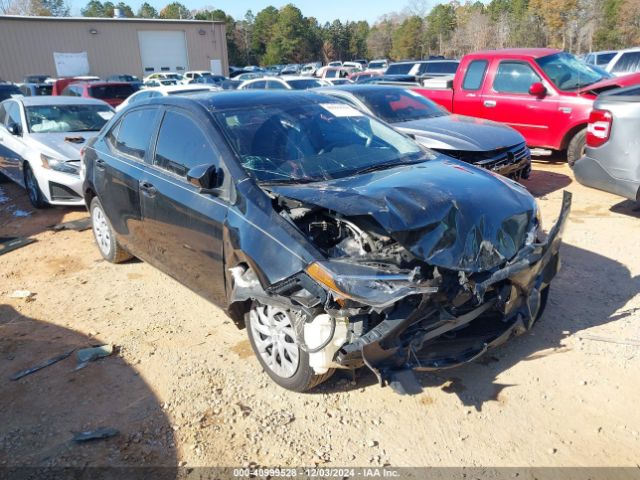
pixel 627 63
pixel 474 77
pixel 305 142
pixel 514 77
pixel 133 133
pixel 13 115
pixel 67 118
pixel 182 145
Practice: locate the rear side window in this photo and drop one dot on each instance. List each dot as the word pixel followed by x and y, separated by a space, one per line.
pixel 182 145
pixel 475 75
pixel 439 67
pixel 604 58
pixel 399 69
pixel 111 91
pixel 132 135
pixel 514 77
pixel 627 63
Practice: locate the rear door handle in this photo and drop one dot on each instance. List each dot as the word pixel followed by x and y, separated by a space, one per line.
pixel 100 164
pixel 148 189
pixel 490 103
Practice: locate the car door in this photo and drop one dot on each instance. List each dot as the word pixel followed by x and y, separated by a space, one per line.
pixel 182 226
pixel 468 97
pixel 506 99
pixel 119 167
pixel 13 145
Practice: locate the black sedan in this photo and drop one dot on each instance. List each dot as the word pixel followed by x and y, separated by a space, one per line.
pixel 337 241
pixel 491 145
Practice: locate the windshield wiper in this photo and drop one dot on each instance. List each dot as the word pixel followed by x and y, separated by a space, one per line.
pixel 380 166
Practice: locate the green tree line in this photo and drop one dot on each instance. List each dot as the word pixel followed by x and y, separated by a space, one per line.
pixel 451 28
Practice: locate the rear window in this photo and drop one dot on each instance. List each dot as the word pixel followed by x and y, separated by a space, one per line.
pixel 304 84
pixel 399 69
pixel 627 63
pixel 475 75
pixel 111 91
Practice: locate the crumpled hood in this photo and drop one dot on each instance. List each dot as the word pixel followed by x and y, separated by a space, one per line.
pixel 56 142
pixel 458 132
pixel 603 85
pixel 447 213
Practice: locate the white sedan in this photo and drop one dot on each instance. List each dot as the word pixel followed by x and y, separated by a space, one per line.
pixel 40 142
pixel 284 83
pixel 154 92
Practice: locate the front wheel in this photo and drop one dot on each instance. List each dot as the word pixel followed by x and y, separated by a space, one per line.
pixel 273 341
pixel 577 147
pixel 36 197
pixel 105 236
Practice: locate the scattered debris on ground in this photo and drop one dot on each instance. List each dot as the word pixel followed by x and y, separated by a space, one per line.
pixel 78 225
pixel 8 244
pixel 98 434
pixel 87 355
pixel 45 364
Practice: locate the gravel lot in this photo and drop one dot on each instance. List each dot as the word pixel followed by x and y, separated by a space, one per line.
pixel 185 389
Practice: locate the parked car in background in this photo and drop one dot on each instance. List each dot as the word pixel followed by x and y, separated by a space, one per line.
pixel 40 142
pixel 378 65
pixel 8 90
pixel 178 78
pixel 292 69
pixel 337 81
pixel 612 158
pixel 282 83
pixel 625 62
pixel 123 77
pixel 334 64
pixel 59 84
pixel 35 89
pixel 214 80
pixel 169 90
pixel 310 69
pixel 359 77
pixel 334 72
pixel 192 75
pixel 486 144
pixel 424 68
pixel 293 211
pixel 353 66
pixel 36 78
pixel 545 94
pixel 600 59
pixel 363 62
pixel 248 76
pixel 114 93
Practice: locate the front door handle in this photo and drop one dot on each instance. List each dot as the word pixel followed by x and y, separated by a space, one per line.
pixel 100 164
pixel 148 189
pixel 490 103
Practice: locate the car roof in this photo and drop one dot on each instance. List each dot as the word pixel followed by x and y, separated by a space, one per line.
pixel 515 52
pixel 84 83
pixel 58 100
pixel 239 99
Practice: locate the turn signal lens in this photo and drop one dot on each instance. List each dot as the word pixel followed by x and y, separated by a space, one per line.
pixel 324 277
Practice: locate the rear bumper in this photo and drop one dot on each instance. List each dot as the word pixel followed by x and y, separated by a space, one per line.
pixel 418 335
pixel 590 172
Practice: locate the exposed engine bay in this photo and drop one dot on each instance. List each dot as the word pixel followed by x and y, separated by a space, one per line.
pixel 374 302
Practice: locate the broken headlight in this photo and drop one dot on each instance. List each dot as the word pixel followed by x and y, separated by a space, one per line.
pixel 50 163
pixel 368 285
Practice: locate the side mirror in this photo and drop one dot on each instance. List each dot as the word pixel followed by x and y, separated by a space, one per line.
pixel 537 90
pixel 14 129
pixel 205 177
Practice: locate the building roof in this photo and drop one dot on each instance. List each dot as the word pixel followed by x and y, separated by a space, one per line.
pixel 100 19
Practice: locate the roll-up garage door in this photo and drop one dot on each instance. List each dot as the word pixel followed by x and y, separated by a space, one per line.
pixel 163 51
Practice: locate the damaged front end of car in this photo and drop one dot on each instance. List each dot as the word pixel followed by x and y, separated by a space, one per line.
pixel 399 300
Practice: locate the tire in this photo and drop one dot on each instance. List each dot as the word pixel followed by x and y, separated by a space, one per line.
pixel 294 373
pixel 104 235
pixel 576 148
pixel 36 197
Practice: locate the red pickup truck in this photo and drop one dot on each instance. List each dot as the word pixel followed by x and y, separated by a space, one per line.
pixel 545 94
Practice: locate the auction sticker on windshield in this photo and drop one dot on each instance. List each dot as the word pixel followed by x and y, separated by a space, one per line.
pixel 340 110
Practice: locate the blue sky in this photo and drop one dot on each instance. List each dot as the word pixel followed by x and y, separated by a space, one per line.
pixel 323 10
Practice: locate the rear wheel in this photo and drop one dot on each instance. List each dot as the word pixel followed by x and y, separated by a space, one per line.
pixel 577 147
pixel 36 197
pixel 273 341
pixel 105 236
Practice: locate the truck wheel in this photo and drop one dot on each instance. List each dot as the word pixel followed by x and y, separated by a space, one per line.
pixel 273 341
pixel 576 148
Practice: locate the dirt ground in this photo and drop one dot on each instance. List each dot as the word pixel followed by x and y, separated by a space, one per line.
pixel 185 389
